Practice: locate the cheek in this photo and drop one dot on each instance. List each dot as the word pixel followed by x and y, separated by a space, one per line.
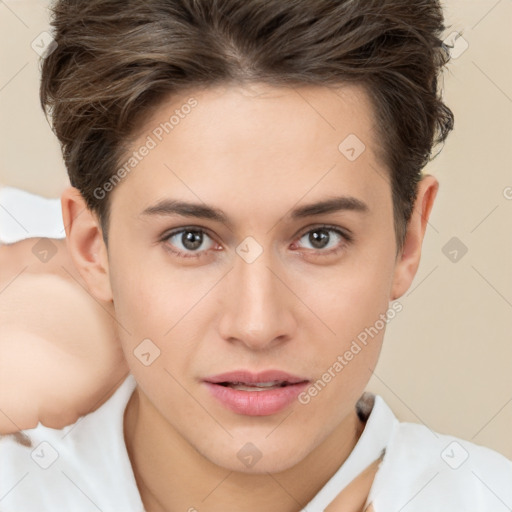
pixel 152 330
pixel 157 303
pixel 148 294
pixel 350 297
pixel 352 304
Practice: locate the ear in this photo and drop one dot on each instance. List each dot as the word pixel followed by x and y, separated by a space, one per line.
pixel 409 258
pixel 85 243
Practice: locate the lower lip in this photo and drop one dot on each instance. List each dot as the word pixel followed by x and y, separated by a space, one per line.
pixel 256 403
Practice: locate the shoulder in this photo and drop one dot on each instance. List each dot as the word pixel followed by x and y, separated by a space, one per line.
pixel 434 471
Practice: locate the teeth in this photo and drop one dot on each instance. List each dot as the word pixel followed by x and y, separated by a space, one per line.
pixel 256 386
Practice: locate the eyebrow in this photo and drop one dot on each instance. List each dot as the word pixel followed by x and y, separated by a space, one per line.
pixel 203 211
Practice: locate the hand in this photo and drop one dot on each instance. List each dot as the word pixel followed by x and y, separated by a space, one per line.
pixel 353 497
pixel 59 354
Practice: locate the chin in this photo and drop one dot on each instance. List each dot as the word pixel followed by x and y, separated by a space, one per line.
pixel 258 457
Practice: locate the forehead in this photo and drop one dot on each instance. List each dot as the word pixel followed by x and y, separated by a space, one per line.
pixel 288 115
pixel 238 142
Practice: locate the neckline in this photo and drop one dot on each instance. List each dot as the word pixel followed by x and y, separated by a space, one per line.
pixel 371 445
pixel 380 423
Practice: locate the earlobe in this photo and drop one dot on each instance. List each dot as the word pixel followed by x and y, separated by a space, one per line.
pixel 85 243
pixel 409 258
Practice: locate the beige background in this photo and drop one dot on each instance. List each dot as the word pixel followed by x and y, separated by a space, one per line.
pixel 447 358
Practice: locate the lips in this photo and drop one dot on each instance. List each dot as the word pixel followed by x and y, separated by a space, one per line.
pixel 246 377
pixel 257 386
pixel 256 394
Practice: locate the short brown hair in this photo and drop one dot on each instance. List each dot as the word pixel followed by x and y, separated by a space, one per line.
pixel 116 60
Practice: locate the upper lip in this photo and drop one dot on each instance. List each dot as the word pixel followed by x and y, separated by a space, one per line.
pixel 247 377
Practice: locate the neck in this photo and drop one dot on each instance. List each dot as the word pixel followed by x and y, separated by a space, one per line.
pixel 172 475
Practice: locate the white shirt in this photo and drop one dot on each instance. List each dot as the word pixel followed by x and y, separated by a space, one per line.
pixel 85 467
pixel 25 215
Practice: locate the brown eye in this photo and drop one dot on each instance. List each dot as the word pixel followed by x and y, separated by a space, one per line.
pixel 188 242
pixel 325 239
pixel 319 238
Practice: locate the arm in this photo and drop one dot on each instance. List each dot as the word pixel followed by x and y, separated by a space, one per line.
pixel 59 355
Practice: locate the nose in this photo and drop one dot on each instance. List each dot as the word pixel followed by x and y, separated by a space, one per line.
pixel 258 307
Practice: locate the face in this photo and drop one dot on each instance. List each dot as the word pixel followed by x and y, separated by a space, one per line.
pixel 247 284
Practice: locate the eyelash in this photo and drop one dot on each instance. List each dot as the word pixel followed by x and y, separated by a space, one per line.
pixel 347 240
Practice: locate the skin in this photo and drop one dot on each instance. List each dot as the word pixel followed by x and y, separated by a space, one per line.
pixel 59 353
pixel 256 153
pixel 354 495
